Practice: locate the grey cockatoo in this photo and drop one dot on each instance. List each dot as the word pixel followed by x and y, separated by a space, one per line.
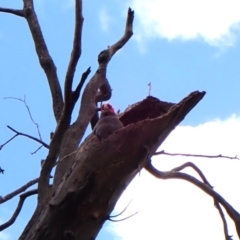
pixel 108 122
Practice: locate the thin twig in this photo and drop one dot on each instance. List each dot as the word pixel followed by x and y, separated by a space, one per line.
pixel 29 136
pixel 121 211
pixel 12 11
pixel 18 209
pixel 110 217
pixel 37 150
pixel 19 190
pixel 120 220
pixel 195 155
pixel 29 113
pixel 1 146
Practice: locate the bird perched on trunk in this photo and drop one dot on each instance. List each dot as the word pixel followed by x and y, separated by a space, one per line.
pixel 107 123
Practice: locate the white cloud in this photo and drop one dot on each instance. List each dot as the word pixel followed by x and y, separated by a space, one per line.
pixel 213 21
pixel 104 19
pixel 176 209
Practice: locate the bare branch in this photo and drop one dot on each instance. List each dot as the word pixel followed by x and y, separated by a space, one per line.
pixel 88 106
pixel 78 89
pixel 1 146
pixel 16 12
pixel 217 205
pixel 36 150
pixel 29 136
pixel 195 155
pixel 29 113
pixel 105 56
pixel 18 209
pixel 49 68
pixel 76 52
pixel 68 106
pixel 225 227
pixel 19 190
pixel 233 214
pixel 127 35
pixel 192 165
pixel 44 57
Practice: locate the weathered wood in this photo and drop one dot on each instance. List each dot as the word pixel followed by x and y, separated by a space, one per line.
pixel 101 172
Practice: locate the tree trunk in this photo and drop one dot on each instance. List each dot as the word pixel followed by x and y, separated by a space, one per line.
pixel 102 170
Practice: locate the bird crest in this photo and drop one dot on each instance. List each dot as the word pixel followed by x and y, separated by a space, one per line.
pixel 106 107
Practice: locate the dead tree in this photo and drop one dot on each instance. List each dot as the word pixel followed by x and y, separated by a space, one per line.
pixel 90 178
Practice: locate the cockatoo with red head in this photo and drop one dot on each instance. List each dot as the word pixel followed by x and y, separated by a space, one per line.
pixel 107 123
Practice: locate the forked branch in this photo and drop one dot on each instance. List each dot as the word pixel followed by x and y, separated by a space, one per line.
pixel 97 84
pixel 216 204
pixel 22 198
pixel 193 166
pixel 105 91
pixel 105 56
pixel 28 136
pixel 70 100
pixel 9 140
pixel 233 214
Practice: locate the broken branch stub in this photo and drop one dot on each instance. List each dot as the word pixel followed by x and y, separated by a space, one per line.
pixel 101 172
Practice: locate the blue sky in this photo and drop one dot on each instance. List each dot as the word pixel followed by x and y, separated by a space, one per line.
pixel 178 46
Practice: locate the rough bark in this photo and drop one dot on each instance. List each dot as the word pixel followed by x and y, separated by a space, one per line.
pixel 101 171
